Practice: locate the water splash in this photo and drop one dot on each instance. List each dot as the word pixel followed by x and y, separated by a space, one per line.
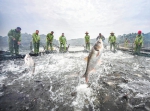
pixel 84 97
pixel 60 74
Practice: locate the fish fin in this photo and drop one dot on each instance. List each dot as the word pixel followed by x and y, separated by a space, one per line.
pixel 86 79
pixel 93 70
pixel 84 75
pixel 86 58
pixel 89 56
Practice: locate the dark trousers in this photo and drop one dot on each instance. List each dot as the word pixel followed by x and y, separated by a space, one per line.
pixel 36 47
pixel 137 48
pixel 62 47
pixel 13 45
pixel 49 44
pixel 113 44
pixel 87 46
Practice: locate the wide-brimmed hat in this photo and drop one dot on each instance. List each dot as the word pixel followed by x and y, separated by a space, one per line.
pixel 86 32
pixel 112 33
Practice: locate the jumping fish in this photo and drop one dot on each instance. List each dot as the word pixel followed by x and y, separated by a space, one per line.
pixel 93 58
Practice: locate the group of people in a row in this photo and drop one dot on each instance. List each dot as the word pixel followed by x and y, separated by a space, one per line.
pixel 15 40
pixel 112 40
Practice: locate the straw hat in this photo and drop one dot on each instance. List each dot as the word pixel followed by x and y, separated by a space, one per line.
pixel 112 33
pixel 86 32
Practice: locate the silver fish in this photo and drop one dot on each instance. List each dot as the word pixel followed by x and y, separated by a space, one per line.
pixel 29 62
pixel 93 58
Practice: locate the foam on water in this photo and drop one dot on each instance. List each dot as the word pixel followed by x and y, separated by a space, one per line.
pixel 140 87
pixel 76 48
pixel 66 70
pixel 2 78
pixel 11 67
pixel 84 94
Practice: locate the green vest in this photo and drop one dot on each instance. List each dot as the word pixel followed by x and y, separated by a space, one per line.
pixel 112 39
pixel 62 39
pixel 35 38
pixel 139 39
pixel 49 37
pixel 87 38
pixel 14 34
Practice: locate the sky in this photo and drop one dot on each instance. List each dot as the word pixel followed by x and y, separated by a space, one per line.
pixel 75 17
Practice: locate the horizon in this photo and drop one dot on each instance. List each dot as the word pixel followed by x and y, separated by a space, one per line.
pixel 79 38
pixel 82 37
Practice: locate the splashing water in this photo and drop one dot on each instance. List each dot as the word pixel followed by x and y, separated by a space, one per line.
pixel 84 94
pixel 58 75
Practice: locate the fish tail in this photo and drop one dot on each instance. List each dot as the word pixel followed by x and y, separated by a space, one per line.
pixel 86 77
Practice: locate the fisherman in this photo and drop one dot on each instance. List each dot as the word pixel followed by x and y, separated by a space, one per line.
pixel 126 43
pixel 14 40
pixel 87 41
pixel 100 36
pixel 112 40
pixel 63 41
pixel 49 40
pixel 36 41
pixel 138 42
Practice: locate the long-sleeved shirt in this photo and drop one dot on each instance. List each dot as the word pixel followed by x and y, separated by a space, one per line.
pixel 49 37
pixel 87 39
pixel 112 39
pixel 62 39
pixel 14 34
pixel 100 37
pixel 35 38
